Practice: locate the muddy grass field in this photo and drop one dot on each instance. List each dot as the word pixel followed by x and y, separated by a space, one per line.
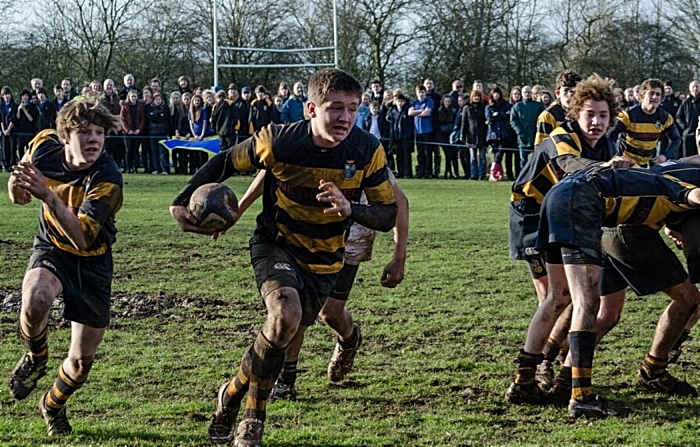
pixel 438 352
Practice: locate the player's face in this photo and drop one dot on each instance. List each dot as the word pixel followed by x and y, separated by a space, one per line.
pixel 84 146
pixel 594 119
pixel 651 99
pixel 332 120
pixel 565 95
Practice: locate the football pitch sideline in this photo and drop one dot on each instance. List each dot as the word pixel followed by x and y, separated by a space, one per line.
pixel 437 356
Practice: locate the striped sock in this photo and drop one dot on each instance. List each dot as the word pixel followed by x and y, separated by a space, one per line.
pixel 551 349
pixel 654 367
pixel 239 385
pixel 527 364
pixel 289 373
pixel 62 389
pixel 266 366
pixel 38 345
pixel 582 345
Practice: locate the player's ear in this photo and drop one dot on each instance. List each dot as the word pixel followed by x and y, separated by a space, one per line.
pixel 310 109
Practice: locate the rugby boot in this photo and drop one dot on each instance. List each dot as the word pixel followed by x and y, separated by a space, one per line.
pixel 343 359
pixel 519 394
pixel 666 384
pixel 24 377
pixel 56 425
pixel 544 375
pixel 221 426
pixel 595 407
pixel 249 433
pixel 282 391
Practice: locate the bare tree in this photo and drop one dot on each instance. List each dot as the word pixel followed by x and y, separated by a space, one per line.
pixel 86 32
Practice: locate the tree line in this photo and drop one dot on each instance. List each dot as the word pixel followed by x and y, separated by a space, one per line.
pixel 399 42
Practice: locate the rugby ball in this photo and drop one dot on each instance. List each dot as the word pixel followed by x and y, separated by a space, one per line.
pixel 214 206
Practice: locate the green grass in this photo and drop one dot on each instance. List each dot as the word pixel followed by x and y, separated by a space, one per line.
pixel 437 357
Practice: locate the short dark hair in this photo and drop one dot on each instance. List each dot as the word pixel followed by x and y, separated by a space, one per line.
pixel 649 84
pixel 421 88
pixel 568 78
pixel 41 90
pixel 330 80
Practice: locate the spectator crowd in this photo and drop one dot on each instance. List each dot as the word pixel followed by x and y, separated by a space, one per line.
pixel 458 126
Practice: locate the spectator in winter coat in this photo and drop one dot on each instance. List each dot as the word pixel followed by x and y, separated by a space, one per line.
pixel 133 121
pixel 46 111
pixel 114 144
pixel 293 109
pixel 523 119
pixel 444 122
pixel 159 129
pixel 499 134
pixel 473 133
pixel 8 109
pixel 261 110
pixel 687 119
pixel 25 119
pixel 401 136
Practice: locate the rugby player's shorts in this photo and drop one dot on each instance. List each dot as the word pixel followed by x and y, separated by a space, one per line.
pixel 524 220
pixel 691 243
pixel 343 284
pixel 572 216
pixel 637 255
pixel 86 281
pixel 275 268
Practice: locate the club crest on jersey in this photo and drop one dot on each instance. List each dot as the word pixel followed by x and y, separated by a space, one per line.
pixel 350 169
pixel 658 124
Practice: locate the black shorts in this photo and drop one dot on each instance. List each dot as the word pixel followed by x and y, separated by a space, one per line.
pixel 572 216
pixel 86 281
pixel 638 256
pixel 343 284
pixel 691 244
pixel 524 220
pixel 275 268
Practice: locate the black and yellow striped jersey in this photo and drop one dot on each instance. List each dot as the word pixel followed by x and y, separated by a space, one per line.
pixel 291 215
pixel 549 120
pixel 93 194
pixel 636 196
pixel 639 133
pixel 564 151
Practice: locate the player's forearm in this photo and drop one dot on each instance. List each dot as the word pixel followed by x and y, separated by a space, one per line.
pixel 67 221
pixel 254 191
pixel 674 138
pixel 401 227
pixel 378 217
pixel 216 170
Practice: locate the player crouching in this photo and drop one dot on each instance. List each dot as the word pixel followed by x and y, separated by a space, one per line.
pixel 80 189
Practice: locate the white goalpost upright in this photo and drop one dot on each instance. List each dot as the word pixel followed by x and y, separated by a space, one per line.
pixel 217 65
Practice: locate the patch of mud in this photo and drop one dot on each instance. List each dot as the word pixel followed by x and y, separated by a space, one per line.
pixel 132 307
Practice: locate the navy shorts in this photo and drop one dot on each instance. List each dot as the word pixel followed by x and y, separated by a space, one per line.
pixel 638 256
pixel 572 216
pixel 275 268
pixel 343 284
pixel 86 281
pixel 524 221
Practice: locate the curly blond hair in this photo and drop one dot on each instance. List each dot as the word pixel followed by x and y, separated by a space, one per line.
pixel 593 88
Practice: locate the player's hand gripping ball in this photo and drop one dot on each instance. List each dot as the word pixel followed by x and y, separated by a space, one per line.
pixel 215 207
